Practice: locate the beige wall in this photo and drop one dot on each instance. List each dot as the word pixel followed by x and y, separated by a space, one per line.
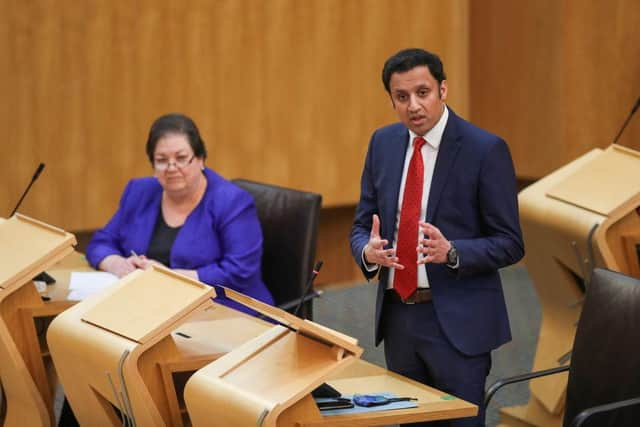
pixel 288 91
pixel 284 91
pixel 556 78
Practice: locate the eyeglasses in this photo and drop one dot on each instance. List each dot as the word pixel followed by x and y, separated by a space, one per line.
pixel 180 162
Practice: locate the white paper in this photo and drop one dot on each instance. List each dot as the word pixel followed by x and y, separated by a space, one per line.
pixel 83 284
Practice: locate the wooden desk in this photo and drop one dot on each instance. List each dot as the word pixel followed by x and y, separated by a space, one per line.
pixel 579 217
pixel 217 331
pixel 28 248
pixel 359 377
pixel 364 377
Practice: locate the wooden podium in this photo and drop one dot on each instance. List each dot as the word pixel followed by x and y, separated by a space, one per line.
pixel 123 348
pixel 131 350
pixel 267 380
pixel 583 215
pixel 107 348
pixel 28 247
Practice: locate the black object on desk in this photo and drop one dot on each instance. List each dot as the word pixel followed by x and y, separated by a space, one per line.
pixel 44 277
pixel 325 390
pixel 337 403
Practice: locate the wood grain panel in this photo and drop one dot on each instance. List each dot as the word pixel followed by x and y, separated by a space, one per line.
pixel 603 74
pixel 555 78
pixel 516 80
pixel 284 91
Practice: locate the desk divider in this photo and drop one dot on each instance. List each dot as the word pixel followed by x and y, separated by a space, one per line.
pixel 579 217
pixel 146 303
pixel 27 247
pixel 603 183
pixel 136 326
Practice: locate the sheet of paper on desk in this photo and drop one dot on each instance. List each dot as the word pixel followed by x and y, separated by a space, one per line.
pixel 83 284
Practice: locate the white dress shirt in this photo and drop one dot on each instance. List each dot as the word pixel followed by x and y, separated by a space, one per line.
pixel 429 153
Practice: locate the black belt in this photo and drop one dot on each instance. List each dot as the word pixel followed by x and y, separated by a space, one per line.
pixel 420 296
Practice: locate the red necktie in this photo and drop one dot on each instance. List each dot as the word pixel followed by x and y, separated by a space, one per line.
pixel 405 281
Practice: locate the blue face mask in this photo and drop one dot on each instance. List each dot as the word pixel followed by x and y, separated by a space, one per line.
pixel 368 400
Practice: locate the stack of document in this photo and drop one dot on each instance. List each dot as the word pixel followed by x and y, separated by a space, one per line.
pixel 83 284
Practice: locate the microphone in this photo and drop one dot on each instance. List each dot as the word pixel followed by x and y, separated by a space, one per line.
pixel 305 295
pixel 35 176
pixel 42 277
pixel 626 122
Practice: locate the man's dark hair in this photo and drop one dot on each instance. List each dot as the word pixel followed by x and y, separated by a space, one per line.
pixel 408 59
pixel 178 124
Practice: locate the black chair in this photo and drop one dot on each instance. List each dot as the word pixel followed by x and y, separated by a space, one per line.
pixel 604 375
pixel 289 220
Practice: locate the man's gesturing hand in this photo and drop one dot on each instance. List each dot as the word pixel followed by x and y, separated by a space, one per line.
pixel 434 247
pixel 374 251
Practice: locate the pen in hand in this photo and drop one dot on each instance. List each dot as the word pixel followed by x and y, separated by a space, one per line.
pixel 138 259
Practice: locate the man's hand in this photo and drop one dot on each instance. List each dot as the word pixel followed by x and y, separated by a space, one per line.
pixel 374 251
pixel 434 247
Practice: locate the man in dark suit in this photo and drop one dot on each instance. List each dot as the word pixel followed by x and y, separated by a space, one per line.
pixel 437 218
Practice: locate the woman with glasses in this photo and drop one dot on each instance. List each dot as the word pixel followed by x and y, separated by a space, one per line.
pixel 186 217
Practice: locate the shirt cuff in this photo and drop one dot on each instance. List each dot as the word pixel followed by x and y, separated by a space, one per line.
pixel 369 267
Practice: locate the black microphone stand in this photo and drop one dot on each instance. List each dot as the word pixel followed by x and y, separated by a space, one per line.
pixel 306 296
pixel 626 122
pixel 42 277
pixel 33 179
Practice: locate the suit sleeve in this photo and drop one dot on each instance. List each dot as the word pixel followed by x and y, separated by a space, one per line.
pixel 106 240
pixel 240 235
pixel 367 207
pixel 501 244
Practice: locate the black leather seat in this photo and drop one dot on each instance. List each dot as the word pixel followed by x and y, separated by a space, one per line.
pixel 604 375
pixel 289 220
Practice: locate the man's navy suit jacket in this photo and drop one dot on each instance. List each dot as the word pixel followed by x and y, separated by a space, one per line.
pixel 473 201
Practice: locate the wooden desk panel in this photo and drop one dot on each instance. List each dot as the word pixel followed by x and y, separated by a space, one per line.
pixel 218 330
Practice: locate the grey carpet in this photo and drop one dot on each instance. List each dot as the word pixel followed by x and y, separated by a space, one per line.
pixel 350 310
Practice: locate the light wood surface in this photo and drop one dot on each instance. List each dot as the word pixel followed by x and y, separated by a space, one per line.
pixel 303 326
pixel 211 334
pixel 159 302
pixel 232 396
pixel 283 91
pixel 98 367
pixel 537 73
pixel 612 178
pixel 364 377
pixel 288 92
pixel 26 242
pixel 569 229
pixel 27 248
pixel 132 366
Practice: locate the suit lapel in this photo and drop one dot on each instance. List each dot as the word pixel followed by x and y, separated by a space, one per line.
pixel 449 147
pixel 394 159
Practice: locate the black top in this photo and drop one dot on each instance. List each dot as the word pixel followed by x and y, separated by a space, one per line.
pixel 162 240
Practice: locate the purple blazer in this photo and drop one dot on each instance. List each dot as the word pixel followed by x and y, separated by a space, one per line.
pixel 221 238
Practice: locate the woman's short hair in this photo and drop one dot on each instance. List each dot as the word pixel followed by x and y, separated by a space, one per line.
pixel 175 123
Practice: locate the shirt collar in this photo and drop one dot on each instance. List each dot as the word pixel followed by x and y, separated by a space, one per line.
pixel 434 135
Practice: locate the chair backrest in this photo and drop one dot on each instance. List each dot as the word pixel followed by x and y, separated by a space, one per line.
pixel 605 363
pixel 289 220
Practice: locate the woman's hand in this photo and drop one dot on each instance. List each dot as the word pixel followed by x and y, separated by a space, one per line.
pixel 143 263
pixel 118 265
